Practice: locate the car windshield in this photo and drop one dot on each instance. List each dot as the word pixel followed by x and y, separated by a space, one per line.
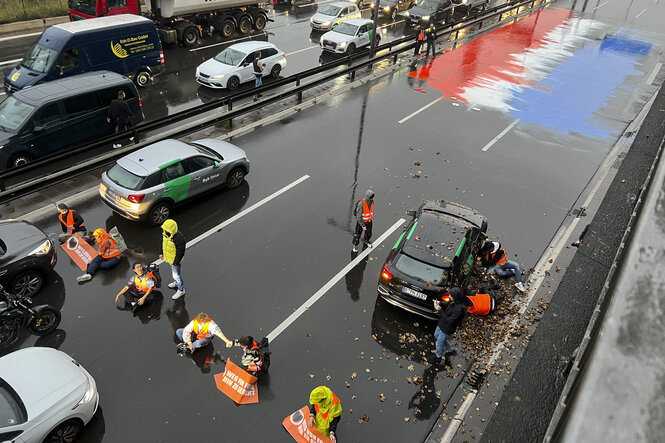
pixel 428 4
pixel 346 29
pixel 420 270
pixel 205 150
pixel 13 113
pixel 330 10
pixel 12 411
pixel 86 6
pixel 122 177
pixel 39 58
pixel 230 56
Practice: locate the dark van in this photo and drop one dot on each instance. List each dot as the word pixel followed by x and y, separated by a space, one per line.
pixel 126 44
pixel 50 118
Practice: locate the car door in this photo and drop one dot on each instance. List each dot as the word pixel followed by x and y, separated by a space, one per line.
pixel 176 182
pixel 362 36
pixel 269 57
pixel 48 133
pixel 246 68
pixel 341 16
pixel 84 114
pixel 204 173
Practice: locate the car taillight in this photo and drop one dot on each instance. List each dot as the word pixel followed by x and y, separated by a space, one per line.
pixel 161 57
pixel 446 297
pixel 385 274
pixel 140 103
pixel 136 198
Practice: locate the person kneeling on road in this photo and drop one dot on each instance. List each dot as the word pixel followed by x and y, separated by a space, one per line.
pixel 71 222
pixel 252 357
pixel 482 303
pixel 450 319
pixel 108 254
pixel 325 411
pixel 139 289
pixel 494 257
pixel 200 331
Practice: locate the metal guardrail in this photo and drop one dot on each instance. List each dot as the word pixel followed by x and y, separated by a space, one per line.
pixel 27 183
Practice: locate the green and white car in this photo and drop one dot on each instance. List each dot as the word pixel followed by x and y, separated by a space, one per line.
pixel 147 184
pixel 349 36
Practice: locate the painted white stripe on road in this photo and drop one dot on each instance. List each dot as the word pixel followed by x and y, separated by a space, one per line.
pixel 501 134
pixel 321 292
pixel 2 39
pixel 654 73
pixel 641 12
pixel 227 42
pixel 10 62
pixel 413 114
pixel 239 215
pixel 600 5
pixel 301 50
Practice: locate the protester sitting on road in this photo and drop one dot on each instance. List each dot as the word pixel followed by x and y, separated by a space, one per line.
pixel 449 320
pixel 108 254
pixel 325 411
pixel 200 331
pixel 482 303
pixel 494 257
pixel 139 289
pixel 252 357
pixel 70 221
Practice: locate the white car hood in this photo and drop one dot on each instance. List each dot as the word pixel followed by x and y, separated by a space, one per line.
pixel 322 17
pixel 336 37
pixel 213 67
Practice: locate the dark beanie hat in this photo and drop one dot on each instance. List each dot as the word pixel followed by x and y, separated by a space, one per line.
pixel 62 206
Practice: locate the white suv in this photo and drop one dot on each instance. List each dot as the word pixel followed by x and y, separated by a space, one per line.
pixel 349 36
pixel 331 15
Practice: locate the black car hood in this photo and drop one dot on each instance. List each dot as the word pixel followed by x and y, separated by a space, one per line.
pixel 19 238
pixel 421 11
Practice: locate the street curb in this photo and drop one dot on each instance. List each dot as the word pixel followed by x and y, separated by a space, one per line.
pixel 29 25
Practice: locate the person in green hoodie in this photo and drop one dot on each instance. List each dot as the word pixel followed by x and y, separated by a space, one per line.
pixel 172 252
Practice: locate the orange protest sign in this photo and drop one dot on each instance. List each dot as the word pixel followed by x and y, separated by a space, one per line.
pixel 237 384
pixel 297 424
pixel 79 250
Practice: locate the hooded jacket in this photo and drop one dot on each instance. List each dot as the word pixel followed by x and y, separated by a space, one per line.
pixel 330 409
pixel 173 243
pixel 369 197
pixel 454 314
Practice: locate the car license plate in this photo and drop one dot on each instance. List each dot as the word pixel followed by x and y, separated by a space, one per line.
pixel 413 293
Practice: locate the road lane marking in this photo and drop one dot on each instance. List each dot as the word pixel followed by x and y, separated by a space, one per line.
pixel 600 5
pixel 239 215
pixel 10 62
pixel 413 114
pixel 654 73
pixel 301 50
pixel 2 39
pixel 501 134
pixel 332 282
pixel 227 42
pixel 641 12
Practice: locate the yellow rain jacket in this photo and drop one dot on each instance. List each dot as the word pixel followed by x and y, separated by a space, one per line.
pixel 170 242
pixel 327 407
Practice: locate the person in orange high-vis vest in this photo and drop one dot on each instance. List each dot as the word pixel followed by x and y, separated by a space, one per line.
pixel 482 303
pixel 252 356
pixel 325 411
pixel 108 254
pixel 200 332
pixel 70 221
pixel 364 212
pixel 139 289
pixel 420 39
pixel 494 258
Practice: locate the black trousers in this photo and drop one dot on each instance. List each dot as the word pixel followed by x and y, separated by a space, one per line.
pixel 359 231
pixel 132 295
pixel 416 50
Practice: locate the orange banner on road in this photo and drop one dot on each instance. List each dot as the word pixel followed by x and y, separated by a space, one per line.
pixel 237 384
pixel 297 424
pixel 79 250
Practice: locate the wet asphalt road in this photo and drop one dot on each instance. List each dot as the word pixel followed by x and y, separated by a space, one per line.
pixel 254 272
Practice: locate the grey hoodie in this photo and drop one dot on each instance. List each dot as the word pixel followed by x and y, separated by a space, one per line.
pixel 369 196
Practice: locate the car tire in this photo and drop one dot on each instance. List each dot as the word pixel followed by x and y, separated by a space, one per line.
pixel 244 24
pixel 233 83
pixel 351 49
pixel 190 37
pixel 45 322
pixel 235 178
pixel 18 160
pixel 142 79
pixel 260 22
pixel 66 432
pixel 276 69
pixel 227 28
pixel 159 213
pixel 27 283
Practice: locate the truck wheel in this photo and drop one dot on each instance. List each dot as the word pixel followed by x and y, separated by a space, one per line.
pixel 260 22
pixel 190 37
pixel 227 28
pixel 18 160
pixel 142 79
pixel 244 24
pixel 233 83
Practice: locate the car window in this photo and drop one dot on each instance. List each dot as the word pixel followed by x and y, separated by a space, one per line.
pixel 12 412
pixel 48 115
pixel 197 163
pixel 68 59
pixel 81 104
pixel 346 28
pixel 13 113
pixel 418 269
pixel 249 59
pixel 205 150
pixel 172 172
pixel 39 58
pixel 122 177
pixel 268 52
pixel 362 29
pixel 112 4
pixel 106 96
pixel 330 10
pixel 352 9
pixel 343 12
pixel 230 56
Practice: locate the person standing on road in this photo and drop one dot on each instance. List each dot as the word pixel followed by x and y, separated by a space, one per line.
pixel 431 40
pixel 139 289
pixel 449 319
pixel 172 252
pixel 70 221
pixel 200 331
pixel 364 212
pixel 258 72
pixel 494 257
pixel 325 411
pixel 119 115
pixel 420 38
pixel 108 255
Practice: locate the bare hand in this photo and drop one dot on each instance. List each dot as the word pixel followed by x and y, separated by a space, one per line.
pixel 332 437
pixel 141 301
pixel 117 297
pixel 108 119
pixel 229 344
pixel 161 257
pixel 191 346
pixel 311 420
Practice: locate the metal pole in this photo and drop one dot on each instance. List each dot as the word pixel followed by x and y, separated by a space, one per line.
pixel 375 19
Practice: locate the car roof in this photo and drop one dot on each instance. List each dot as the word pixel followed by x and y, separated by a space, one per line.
pixel 248 47
pixel 151 158
pixel 358 21
pixel 82 26
pixel 342 4
pixel 70 86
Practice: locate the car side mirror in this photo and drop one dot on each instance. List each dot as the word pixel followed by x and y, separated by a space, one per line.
pixel 245 64
pixel 38 129
pixel 411 213
pixel 360 34
pixel 216 165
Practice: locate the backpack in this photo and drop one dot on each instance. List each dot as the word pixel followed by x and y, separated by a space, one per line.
pixel 355 208
pixel 155 272
pixel 117 237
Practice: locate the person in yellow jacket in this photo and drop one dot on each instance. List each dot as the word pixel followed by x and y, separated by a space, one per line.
pixel 172 252
pixel 325 411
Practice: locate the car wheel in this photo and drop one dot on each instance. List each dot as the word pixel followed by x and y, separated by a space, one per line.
pixel 276 69
pixel 27 283
pixel 233 83
pixel 190 37
pixel 18 160
pixel 159 213
pixel 351 49
pixel 227 28
pixel 235 178
pixel 142 79
pixel 66 432
pixel 244 24
pixel 45 321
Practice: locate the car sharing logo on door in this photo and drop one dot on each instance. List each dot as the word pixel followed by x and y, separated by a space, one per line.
pixel 550 68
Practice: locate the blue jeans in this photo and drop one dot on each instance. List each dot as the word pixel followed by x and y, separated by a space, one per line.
pixel 177 276
pixel 257 83
pixel 101 263
pixel 196 343
pixel 431 45
pixel 508 269
pixel 442 342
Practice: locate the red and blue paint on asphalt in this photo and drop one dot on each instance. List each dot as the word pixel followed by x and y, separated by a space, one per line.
pixel 550 68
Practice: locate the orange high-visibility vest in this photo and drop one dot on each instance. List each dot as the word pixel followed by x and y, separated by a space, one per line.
pixel 368 212
pixel 482 304
pixel 141 282
pixel 256 367
pixel 325 414
pixel 421 36
pixel 502 260
pixel 113 250
pixel 201 330
pixel 70 221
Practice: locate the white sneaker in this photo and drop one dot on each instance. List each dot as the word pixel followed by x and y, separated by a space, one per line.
pixel 520 287
pixel 355 248
pixel 84 277
pixel 131 139
pixel 117 145
pixel 173 285
pixel 178 294
pixel 368 244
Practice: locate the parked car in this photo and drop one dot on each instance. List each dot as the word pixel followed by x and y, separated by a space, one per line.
pixel 349 36
pixel 429 11
pixel 333 14
pixel 147 184
pixel 234 65
pixel 390 8
pixel 26 255
pixel 361 4
pixel 53 117
pixel 46 396
pixel 468 5
pixel 435 252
